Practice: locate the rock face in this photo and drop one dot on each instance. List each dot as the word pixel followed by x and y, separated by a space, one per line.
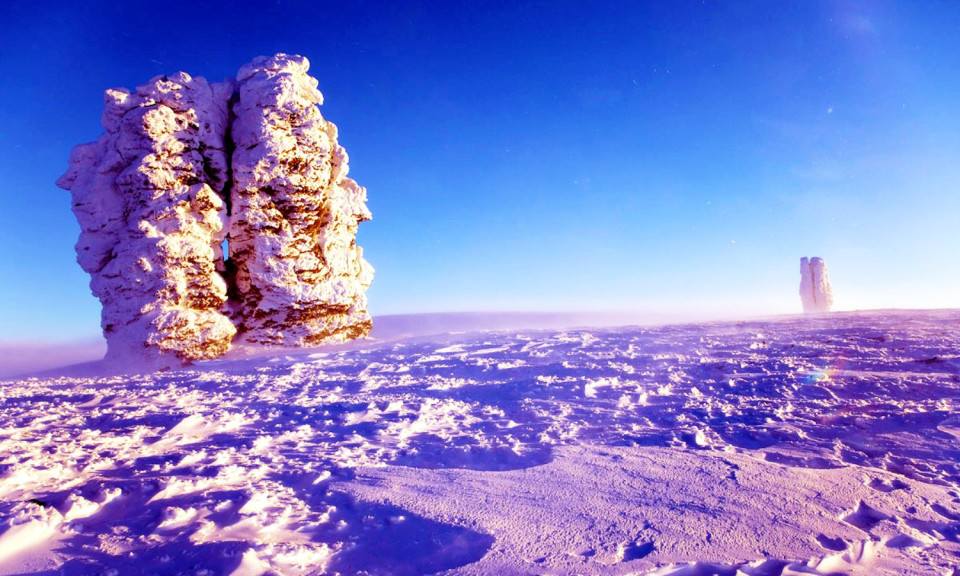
pixel 299 276
pixel 152 197
pixel 815 291
pixel 149 199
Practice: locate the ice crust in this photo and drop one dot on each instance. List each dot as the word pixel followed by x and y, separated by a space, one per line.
pixel 815 291
pixel 156 194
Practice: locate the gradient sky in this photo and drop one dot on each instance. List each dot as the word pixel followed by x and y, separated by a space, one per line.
pixel 647 156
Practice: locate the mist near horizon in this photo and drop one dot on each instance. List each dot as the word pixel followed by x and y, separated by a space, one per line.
pixel 24 358
pixel 28 358
pixel 84 356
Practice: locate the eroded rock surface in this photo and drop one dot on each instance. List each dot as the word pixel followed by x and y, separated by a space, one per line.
pixel 300 278
pixel 153 196
pixel 815 291
pixel 148 197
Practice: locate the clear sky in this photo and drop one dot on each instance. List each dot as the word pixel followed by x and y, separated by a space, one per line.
pixel 558 155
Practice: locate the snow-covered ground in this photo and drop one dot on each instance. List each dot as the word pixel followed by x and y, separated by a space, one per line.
pixel 800 445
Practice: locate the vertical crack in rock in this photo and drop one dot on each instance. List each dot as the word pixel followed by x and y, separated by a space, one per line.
pixel 229 269
pixel 815 291
pixel 300 279
pixel 181 163
pixel 147 196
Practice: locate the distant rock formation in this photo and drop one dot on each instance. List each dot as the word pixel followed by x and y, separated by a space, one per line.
pixel 152 197
pixel 815 291
pixel 300 278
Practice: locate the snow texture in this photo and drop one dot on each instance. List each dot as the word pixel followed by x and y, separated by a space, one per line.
pixel 152 197
pixel 815 291
pixel 811 445
pixel 300 278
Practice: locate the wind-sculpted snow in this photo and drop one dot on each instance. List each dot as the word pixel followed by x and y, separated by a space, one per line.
pixel 300 277
pixel 815 291
pixel 152 194
pixel 148 197
pixel 808 445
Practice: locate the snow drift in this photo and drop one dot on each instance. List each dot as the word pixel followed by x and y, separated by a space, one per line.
pixel 181 163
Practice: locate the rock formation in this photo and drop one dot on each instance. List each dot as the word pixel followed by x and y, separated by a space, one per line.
pixel 299 277
pixel 152 197
pixel 815 292
pixel 149 199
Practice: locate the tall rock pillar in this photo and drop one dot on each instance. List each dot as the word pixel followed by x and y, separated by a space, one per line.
pixel 815 291
pixel 298 275
pixel 148 196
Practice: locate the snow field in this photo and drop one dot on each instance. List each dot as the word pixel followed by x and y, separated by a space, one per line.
pixel 797 446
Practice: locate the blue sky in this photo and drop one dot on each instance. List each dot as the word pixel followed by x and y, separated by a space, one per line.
pixel 663 156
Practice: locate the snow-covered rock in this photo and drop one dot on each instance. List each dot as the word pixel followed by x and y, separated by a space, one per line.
pixel 148 196
pixel 815 291
pixel 152 197
pixel 299 277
